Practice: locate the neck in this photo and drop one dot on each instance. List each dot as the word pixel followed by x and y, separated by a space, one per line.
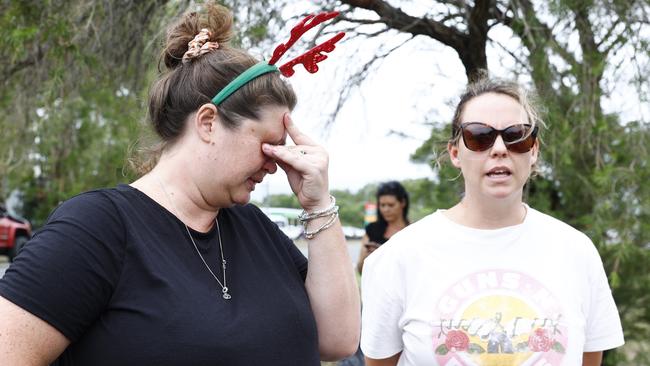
pixel 485 213
pixel 171 185
pixel 398 223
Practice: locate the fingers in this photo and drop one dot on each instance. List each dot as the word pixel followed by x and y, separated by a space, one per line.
pixel 296 135
pixel 306 166
pixel 305 154
pixel 303 158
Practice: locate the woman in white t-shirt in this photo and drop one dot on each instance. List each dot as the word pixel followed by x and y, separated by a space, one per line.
pixel 490 281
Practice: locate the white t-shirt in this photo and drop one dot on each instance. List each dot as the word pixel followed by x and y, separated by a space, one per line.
pixel 445 294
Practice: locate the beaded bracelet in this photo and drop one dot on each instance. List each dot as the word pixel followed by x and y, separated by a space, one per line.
pixel 306 216
pixel 330 222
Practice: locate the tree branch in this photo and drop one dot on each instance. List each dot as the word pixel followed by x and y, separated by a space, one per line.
pixel 397 19
pixel 359 76
pixel 469 45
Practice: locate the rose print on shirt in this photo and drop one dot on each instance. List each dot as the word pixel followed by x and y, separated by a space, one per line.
pixel 499 318
pixel 457 340
pixel 539 341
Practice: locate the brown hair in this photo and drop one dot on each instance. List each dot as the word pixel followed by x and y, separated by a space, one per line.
pixel 183 87
pixel 486 85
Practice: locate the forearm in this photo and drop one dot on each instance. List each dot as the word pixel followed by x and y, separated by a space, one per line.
pixel 333 292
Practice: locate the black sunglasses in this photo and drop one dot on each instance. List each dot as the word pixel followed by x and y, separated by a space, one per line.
pixel 479 136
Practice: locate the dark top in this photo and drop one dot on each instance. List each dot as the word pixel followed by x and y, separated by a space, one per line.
pixel 116 273
pixel 375 232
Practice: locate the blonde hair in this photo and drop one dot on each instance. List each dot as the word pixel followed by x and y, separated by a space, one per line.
pixel 486 85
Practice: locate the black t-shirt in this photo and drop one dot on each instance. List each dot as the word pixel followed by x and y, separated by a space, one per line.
pixel 116 273
pixel 375 232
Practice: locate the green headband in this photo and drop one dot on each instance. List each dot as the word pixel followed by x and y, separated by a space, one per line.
pixel 254 71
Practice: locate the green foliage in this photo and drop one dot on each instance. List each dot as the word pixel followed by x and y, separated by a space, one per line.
pixel 74 80
pixel 447 189
pixel 71 110
pixel 282 200
pixel 351 211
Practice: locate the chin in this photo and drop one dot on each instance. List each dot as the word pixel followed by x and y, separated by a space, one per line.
pixel 242 200
pixel 502 192
pixel 239 197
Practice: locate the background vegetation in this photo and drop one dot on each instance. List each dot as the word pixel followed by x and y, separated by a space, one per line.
pixel 75 73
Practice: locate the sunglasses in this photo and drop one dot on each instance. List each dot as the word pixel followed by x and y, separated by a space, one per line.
pixel 479 136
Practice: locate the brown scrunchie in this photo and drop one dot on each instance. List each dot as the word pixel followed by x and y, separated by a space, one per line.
pixel 199 45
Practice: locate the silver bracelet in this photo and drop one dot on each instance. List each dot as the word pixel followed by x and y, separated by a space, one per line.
pixel 306 216
pixel 329 223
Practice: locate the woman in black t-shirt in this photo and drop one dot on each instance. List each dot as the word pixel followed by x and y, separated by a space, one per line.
pixel 392 216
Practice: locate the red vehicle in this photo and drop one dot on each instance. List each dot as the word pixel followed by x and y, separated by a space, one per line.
pixel 14 233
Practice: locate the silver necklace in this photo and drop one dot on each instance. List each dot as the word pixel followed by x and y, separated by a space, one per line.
pixel 224 287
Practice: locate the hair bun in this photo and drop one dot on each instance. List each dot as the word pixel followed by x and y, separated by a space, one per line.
pixel 214 17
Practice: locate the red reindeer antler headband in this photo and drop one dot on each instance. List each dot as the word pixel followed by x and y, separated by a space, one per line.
pixel 309 59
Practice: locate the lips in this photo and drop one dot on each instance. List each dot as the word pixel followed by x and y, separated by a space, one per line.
pixel 499 172
pixel 252 181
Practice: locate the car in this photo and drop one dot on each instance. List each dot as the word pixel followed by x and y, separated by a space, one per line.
pixel 14 233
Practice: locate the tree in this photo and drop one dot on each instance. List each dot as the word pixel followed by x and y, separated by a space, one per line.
pixel 72 85
pixel 70 107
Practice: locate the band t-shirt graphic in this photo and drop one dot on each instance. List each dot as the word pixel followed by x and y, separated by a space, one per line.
pixel 444 294
pixel 497 317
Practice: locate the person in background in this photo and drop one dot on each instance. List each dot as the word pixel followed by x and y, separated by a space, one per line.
pixel 176 268
pixel 392 216
pixel 490 281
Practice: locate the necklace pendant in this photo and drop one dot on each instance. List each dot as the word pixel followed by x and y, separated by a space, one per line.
pixel 226 295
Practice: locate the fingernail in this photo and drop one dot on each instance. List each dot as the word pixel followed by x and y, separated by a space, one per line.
pixel 268 148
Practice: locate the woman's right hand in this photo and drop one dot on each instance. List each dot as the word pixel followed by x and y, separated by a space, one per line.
pixel 306 166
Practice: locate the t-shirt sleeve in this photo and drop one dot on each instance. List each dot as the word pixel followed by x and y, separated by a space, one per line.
pixel 299 259
pixel 66 273
pixel 383 305
pixel 603 330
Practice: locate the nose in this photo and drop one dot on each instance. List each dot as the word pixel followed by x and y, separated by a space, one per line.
pixel 499 148
pixel 270 166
